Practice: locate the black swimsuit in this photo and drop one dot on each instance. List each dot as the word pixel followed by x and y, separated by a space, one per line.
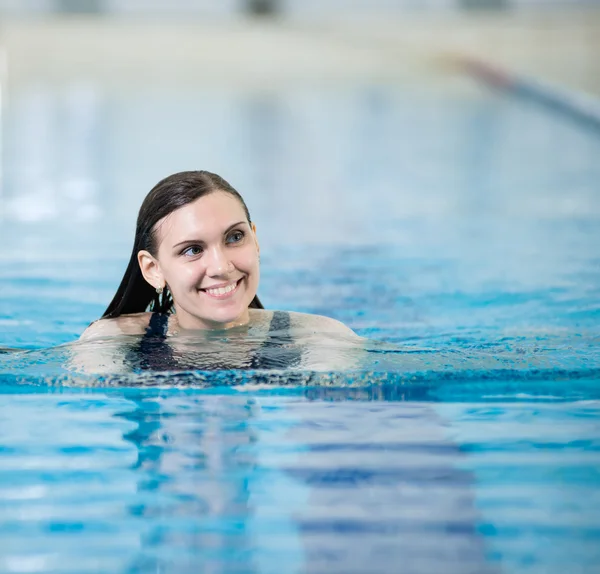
pixel 153 353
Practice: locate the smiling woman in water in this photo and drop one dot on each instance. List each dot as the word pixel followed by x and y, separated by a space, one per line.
pixel 195 269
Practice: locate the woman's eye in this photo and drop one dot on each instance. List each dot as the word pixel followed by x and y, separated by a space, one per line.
pixel 192 251
pixel 235 237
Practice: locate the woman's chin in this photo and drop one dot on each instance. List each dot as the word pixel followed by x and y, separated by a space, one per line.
pixel 220 316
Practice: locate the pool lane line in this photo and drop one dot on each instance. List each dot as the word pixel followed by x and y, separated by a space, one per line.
pixel 580 107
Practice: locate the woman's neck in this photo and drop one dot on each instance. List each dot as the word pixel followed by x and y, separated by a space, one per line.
pixel 182 321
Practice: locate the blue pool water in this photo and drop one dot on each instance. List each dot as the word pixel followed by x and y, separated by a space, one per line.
pixel 458 231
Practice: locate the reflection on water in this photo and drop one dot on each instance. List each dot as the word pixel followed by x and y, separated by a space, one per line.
pixel 195 463
pixel 237 483
pixel 143 480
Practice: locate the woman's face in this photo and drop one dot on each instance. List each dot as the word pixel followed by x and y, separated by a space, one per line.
pixel 208 257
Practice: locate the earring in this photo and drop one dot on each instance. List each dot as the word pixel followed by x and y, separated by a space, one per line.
pixel 159 290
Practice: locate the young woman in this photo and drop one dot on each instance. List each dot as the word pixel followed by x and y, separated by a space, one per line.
pixel 194 270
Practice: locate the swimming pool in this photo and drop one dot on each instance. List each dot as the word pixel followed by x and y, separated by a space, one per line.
pixel 457 230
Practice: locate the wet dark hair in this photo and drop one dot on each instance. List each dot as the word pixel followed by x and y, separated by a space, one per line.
pixel 135 294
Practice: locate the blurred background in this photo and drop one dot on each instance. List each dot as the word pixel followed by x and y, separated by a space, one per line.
pixel 344 124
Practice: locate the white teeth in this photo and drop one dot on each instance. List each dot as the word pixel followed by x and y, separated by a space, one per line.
pixel 222 290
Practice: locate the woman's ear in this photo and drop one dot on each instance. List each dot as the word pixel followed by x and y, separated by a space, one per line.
pixel 255 238
pixel 150 269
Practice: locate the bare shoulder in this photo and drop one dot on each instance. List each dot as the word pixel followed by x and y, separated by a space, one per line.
pixel 134 324
pixel 321 324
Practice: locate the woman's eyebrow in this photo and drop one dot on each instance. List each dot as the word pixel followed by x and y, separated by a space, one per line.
pixel 202 242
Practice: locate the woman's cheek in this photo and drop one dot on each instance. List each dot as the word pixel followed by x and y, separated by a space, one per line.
pixel 186 273
pixel 194 273
pixel 248 259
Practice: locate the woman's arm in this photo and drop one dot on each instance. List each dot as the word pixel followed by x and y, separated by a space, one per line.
pixel 135 324
pixel 319 324
pixel 327 344
pixel 102 349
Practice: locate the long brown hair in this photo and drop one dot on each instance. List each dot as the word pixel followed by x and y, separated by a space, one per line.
pixel 135 294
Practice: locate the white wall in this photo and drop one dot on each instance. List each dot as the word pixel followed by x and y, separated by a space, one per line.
pixel 291 7
pixel 26 6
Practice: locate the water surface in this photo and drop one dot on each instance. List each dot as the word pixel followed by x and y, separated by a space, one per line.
pixel 456 232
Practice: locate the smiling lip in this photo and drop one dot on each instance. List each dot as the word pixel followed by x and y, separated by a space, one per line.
pixel 222 291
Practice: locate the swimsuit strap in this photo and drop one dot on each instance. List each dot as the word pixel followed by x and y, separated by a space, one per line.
pixel 281 322
pixel 277 351
pixel 152 353
pixel 158 326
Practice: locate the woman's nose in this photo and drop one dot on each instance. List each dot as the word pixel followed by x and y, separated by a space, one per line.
pixel 217 262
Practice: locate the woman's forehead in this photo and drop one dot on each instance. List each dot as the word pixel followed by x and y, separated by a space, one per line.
pixel 209 215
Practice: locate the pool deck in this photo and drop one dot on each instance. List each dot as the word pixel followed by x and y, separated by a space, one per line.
pixel 557 47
